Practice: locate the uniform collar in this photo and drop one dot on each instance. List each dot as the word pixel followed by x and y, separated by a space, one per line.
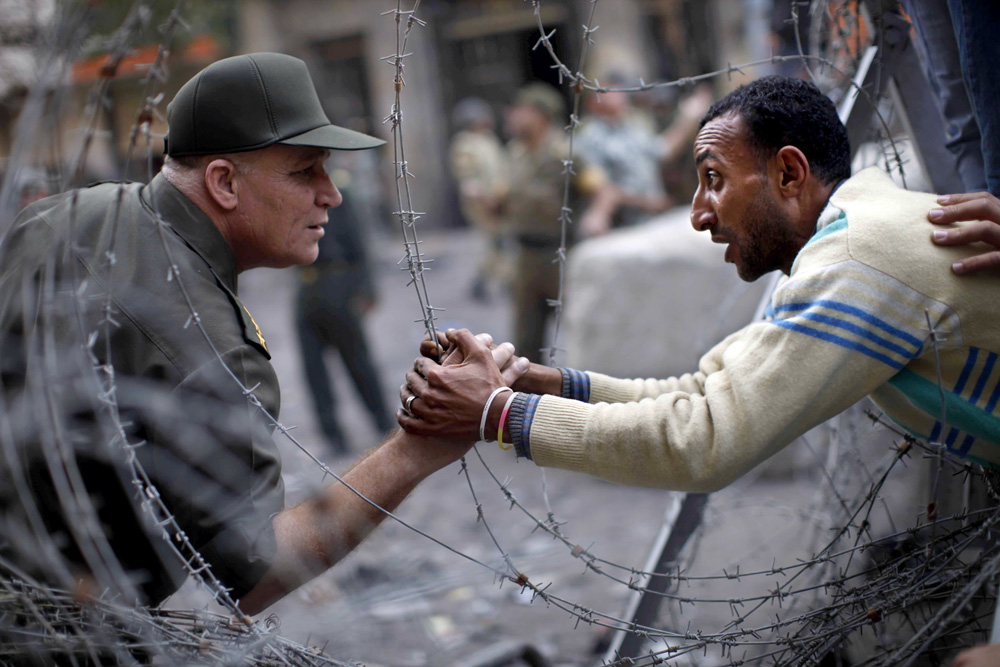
pixel 190 223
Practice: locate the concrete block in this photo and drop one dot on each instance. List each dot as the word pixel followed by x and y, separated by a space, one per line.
pixel 648 301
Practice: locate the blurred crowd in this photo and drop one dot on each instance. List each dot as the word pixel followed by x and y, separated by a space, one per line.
pixel 627 156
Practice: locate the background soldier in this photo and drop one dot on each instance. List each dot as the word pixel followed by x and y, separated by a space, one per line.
pixel 479 166
pixel 335 293
pixel 533 208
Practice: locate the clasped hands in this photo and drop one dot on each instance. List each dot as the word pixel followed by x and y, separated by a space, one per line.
pixel 446 399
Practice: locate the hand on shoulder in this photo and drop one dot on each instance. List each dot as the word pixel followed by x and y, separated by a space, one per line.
pixel 982 210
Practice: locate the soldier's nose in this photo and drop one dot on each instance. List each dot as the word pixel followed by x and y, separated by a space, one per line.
pixel 330 196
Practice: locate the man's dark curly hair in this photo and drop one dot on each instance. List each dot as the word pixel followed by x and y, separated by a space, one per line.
pixel 780 111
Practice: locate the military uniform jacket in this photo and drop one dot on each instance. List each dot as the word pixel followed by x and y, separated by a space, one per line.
pixel 534 203
pixel 177 320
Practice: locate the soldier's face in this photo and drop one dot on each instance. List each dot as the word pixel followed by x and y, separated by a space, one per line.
pixel 282 206
pixel 523 120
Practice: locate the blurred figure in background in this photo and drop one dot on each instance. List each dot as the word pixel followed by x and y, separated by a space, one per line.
pixel 31 184
pixel 334 294
pixel 783 36
pixel 955 38
pixel 533 207
pixel 479 166
pixel 623 158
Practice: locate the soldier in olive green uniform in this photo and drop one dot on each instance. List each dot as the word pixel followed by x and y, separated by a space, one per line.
pixel 479 166
pixel 533 209
pixel 150 340
pixel 243 185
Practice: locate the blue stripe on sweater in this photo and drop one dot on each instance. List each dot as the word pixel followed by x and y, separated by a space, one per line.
pixel 857 312
pixel 963 378
pixel 965 446
pixel 994 398
pixel 855 329
pixel 843 342
pixel 925 395
pixel 991 360
pixel 970 363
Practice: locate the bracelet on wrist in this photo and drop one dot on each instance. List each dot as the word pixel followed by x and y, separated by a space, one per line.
pixel 503 418
pixel 486 410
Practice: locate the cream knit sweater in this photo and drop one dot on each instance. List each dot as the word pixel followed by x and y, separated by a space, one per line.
pixel 849 321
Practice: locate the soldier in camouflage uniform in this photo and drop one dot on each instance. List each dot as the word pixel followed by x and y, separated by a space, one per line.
pixel 533 208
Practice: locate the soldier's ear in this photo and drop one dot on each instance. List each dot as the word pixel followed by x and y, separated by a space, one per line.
pixel 220 182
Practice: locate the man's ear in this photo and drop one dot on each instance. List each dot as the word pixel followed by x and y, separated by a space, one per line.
pixel 220 182
pixel 793 170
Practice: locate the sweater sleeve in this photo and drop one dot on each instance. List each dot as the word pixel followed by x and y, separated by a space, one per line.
pixel 838 333
pixel 607 389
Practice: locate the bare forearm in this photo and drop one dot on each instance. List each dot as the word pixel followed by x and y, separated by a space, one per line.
pixel 540 380
pixel 316 534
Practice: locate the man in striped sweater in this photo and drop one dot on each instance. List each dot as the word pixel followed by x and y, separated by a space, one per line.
pixel 871 306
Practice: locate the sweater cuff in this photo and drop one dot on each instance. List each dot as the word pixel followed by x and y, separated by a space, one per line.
pixel 522 411
pixel 575 385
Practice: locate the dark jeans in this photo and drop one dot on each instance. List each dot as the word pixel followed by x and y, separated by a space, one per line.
pixel 937 40
pixel 977 26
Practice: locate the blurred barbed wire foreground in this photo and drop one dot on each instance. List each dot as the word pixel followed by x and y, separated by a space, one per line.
pixel 869 581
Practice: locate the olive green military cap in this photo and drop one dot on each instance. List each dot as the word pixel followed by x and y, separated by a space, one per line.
pixel 543 97
pixel 250 102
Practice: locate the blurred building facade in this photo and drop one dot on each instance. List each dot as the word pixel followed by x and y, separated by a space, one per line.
pixel 468 48
pixel 480 48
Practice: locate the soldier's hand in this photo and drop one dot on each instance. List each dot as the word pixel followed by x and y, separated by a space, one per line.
pixel 984 210
pixel 449 398
pixel 512 367
pixel 518 373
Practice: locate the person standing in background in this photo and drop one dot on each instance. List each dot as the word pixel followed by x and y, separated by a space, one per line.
pixel 533 208
pixel 623 158
pixel 32 184
pixel 334 295
pixel 479 166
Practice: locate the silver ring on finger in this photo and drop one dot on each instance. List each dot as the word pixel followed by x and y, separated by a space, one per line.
pixel 409 402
